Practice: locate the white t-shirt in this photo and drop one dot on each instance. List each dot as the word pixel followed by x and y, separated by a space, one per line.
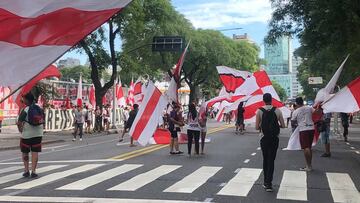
pixel 303 117
pixel 193 124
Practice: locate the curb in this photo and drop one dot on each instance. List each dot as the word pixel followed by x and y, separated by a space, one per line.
pixel 44 143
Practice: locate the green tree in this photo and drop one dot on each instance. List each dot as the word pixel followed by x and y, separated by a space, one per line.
pixel 281 92
pixel 328 31
pixel 74 73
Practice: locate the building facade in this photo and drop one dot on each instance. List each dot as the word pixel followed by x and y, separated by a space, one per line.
pixel 68 63
pixel 296 86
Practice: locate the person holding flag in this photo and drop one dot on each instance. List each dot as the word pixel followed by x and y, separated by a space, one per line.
pixel 175 123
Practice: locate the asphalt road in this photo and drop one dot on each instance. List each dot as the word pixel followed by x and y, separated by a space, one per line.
pixel 96 170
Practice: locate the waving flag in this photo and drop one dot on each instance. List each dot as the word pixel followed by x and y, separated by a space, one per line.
pixel 347 100
pixel 34 33
pixel 120 94
pixel 92 99
pixel 138 91
pixel 172 92
pixel 130 97
pixel 147 119
pixel 258 83
pixel 50 71
pixel 232 78
pixel 324 93
pixel 79 93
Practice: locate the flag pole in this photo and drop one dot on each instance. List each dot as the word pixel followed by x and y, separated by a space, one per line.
pixel 114 104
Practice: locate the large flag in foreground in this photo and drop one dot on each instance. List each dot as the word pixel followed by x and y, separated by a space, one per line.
pixel 138 91
pixel 347 100
pixel 147 119
pixel 50 71
pixel 35 33
pixel 232 78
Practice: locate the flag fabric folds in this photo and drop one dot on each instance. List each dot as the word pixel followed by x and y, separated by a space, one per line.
pixel 147 118
pixel 92 99
pixel 138 91
pixel 130 96
pixel 120 94
pixel 232 78
pixel 38 32
pixel 324 93
pixel 50 71
pixel 347 100
pixel 79 93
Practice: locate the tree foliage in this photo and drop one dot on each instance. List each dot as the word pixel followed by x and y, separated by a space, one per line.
pixel 328 31
pixel 279 90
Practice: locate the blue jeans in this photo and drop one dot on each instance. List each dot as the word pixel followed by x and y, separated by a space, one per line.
pixel 325 136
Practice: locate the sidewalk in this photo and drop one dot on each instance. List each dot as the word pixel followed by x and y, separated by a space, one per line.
pixel 9 137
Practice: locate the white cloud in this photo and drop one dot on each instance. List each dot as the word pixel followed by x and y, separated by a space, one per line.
pixel 217 13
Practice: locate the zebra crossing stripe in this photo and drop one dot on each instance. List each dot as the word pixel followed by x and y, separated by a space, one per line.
pixel 242 183
pixel 98 178
pixel 293 186
pixel 53 177
pixel 145 178
pixel 16 176
pixel 342 188
pixel 9 169
pixel 193 181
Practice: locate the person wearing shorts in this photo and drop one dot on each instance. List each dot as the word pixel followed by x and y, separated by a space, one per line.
pixel 175 122
pixel 303 117
pixel 31 137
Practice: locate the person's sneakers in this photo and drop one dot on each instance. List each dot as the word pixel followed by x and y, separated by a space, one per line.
pixel 80 139
pixel 179 152
pixel 172 153
pixel 306 169
pixel 122 139
pixel 326 155
pixel 34 175
pixel 26 174
pixel 73 139
pixel 269 189
pixel 118 144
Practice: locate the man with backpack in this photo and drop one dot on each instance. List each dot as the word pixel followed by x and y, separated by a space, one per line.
pixel 269 120
pixel 30 124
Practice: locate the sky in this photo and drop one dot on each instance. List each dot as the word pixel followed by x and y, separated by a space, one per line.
pixel 250 15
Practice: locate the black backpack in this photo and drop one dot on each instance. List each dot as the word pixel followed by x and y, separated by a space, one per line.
pixel 36 115
pixel 269 123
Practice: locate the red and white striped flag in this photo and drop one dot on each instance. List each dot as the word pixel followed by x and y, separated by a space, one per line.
pixel 232 78
pixel 130 97
pixel 38 32
pixel 79 93
pixel 172 92
pixel 346 101
pixel 138 91
pixel 147 119
pixel 120 94
pixel 92 99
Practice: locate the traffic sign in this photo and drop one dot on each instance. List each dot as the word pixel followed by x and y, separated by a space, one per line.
pixel 168 43
pixel 315 80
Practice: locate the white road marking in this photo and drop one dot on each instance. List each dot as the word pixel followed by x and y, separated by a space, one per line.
pixel 84 200
pixel 246 161
pixel 17 176
pixel 9 169
pixel 258 148
pixel 193 181
pixel 242 183
pixel 357 152
pixel 222 184
pixel 342 188
pixel 237 170
pixel 69 161
pixel 293 186
pixel 253 154
pixel 54 176
pixel 100 177
pixel 352 147
pixel 55 147
pixel 208 199
pixel 145 178
pixel 348 143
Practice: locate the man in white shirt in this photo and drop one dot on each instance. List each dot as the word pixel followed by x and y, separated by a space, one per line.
pixel 303 116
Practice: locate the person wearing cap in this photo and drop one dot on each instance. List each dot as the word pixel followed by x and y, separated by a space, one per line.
pixel 31 137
